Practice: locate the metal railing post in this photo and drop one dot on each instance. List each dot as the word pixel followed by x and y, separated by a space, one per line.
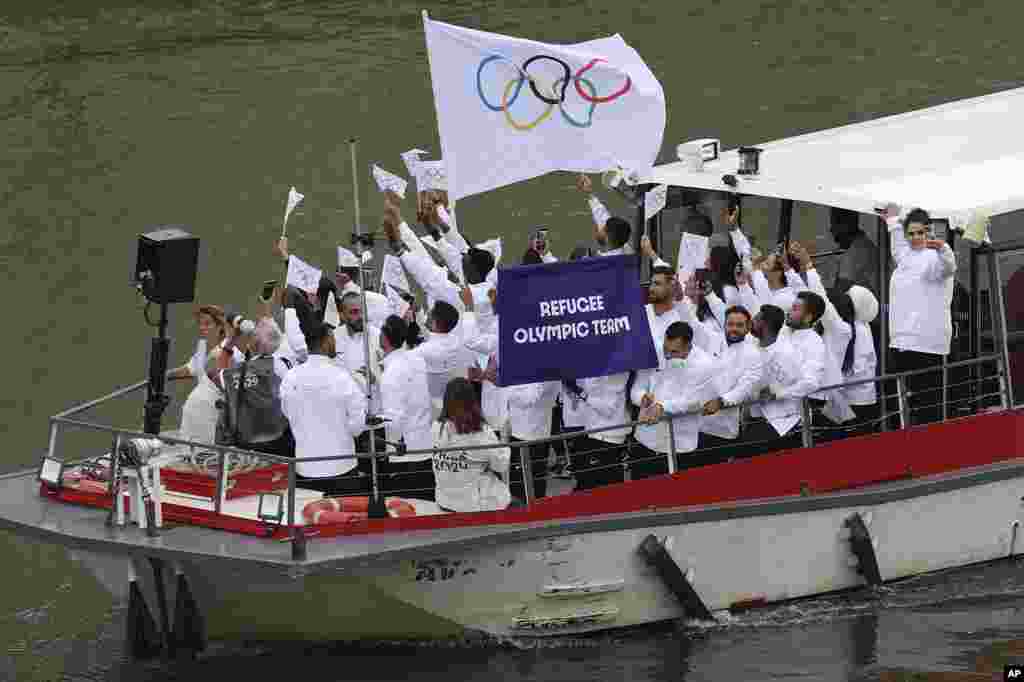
pixel 945 388
pixel 806 416
pixel 901 399
pixel 291 493
pixel 527 466
pixel 671 448
pixel 999 324
pixel 52 447
pixel 115 483
pixel 222 481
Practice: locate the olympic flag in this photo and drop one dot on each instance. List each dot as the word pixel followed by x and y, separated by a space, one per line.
pixel 511 109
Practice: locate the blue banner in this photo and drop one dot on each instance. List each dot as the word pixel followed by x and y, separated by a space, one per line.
pixel 572 320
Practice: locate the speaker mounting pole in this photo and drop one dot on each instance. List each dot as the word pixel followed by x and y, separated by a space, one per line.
pixel 156 399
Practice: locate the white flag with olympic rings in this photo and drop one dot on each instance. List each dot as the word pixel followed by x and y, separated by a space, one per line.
pixel 511 109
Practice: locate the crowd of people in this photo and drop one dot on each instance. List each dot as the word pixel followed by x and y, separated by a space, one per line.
pixel 748 327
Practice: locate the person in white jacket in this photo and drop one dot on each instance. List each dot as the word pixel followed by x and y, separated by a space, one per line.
pixel 327 412
pixel 849 341
pixel 737 379
pixel 529 418
pixel 680 385
pixel 793 368
pixel 468 480
pixel 405 405
pixel 920 296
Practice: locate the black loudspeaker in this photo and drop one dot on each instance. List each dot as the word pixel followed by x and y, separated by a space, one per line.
pixel 166 265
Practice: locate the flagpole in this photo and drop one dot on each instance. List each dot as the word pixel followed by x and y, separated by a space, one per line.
pixel 360 250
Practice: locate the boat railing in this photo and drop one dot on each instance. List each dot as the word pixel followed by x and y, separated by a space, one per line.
pixel 897 410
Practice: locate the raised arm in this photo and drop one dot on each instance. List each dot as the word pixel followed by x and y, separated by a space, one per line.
pixel 897 239
pixel 943 266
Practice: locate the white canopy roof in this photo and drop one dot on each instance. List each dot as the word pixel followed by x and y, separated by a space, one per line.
pixel 951 160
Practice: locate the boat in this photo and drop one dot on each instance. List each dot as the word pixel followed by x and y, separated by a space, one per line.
pixel 229 553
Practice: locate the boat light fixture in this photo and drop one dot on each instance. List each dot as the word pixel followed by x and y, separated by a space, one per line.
pixel 750 161
pixel 51 472
pixel 271 507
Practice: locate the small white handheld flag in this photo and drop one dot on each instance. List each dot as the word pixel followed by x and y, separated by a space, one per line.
pixel 654 201
pixel 302 275
pixel 431 175
pixel 293 200
pixel 411 159
pixel 693 254
pixel 388 181
pixel 331 315
pixel 347 259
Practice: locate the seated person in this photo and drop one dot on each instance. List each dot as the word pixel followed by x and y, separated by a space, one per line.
pixel 468 480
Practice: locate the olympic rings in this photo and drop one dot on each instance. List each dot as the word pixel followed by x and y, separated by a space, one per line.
pixel 600 100
pixel 590 114
pixel 514 87
pixel 508 116
pixel 565 80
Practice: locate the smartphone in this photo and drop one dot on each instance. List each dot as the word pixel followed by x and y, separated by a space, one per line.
pixel 268 289
pixel 939 229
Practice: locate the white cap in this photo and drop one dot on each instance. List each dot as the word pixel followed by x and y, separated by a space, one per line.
pixel 347 259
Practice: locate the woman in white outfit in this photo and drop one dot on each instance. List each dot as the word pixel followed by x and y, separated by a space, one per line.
pixel 468 480
pixel 199 413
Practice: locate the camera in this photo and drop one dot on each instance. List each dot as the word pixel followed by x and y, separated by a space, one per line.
pixel 136 452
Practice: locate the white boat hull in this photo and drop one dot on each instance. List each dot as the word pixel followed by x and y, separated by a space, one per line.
pixel 576 582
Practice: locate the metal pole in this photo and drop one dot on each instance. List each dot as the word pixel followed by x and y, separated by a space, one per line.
pixel 945 384
pixel 975 320
pixel 999 324
pixel 671 448
pixel 527 465
pixel 884 275
pixel 52 448
pixel 222 481
pixel 901 397
pixel 291 494
pixel 156 398
pixel 360 250
pixel 806 435
pixel 115 479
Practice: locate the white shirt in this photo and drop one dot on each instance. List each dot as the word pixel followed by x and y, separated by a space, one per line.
pixel 405 400
pixel 738 375
pixel 782 298
pixel 351 349
pixel 606 406
pixel 466 479
pixel 326 411
pixel 794 367
pixel 920 295
pixel 529 409
pixel 679 391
